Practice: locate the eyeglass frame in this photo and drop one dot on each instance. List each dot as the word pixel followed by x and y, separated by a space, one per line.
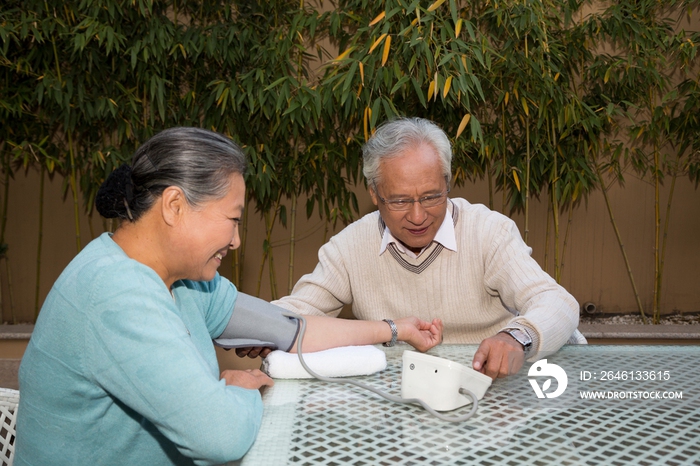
pixel 410 202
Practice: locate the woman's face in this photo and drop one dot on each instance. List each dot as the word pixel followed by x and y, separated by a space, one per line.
pixel 211 230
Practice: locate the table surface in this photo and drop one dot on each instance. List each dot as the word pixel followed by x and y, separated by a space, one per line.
pixel 318 423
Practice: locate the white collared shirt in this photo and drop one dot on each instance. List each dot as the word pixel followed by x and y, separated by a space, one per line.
pixel 445 236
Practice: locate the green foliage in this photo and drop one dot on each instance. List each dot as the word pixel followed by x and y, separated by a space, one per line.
pixel 538 96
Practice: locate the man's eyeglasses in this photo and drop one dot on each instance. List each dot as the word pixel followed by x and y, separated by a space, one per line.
pixel 426 202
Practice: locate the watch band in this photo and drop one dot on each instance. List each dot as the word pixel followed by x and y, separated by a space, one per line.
pixel 394 333
pixel 521 336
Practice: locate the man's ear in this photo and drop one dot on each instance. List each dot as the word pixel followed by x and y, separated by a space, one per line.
pixel 373 195
pixel 173 204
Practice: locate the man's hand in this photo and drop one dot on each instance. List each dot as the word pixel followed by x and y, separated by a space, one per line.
pixel 418 333
pixel 250 378
pixel 253 352
pixel 499 356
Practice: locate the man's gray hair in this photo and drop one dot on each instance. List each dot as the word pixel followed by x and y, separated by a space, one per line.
pixel 395 136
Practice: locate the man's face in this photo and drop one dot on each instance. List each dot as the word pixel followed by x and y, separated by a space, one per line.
pixel 413 174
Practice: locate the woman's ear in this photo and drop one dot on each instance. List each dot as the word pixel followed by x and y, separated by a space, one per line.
pixel 173 204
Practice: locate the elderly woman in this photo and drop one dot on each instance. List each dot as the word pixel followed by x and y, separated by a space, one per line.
pixel 121 368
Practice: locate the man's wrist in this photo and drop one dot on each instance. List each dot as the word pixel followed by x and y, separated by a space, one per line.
pixel 521 336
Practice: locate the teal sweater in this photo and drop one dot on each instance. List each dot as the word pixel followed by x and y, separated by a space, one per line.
pixel 119 371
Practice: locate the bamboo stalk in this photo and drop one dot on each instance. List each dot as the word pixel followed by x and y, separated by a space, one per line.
pixel 292 242
pixel 546 235
pixel 269 222
pixel 39 242
pixel 566 236
pixel 273 275
pixel 665 237
pixel 527 169
pixel 5 202
pixel 657 233
pixel 619 237
pixel 91 226
pixel 489 176
pixel 2 228
pixel 555 208
pixel 527 181
pixel 326 230
pixel 293 226
pixel 74 190
pixel 73 183
pixel 504 161
pixel 555 217
pixel 2 242
pixel 266 216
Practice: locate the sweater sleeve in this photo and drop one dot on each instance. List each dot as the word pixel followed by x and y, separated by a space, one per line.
pixel 325 290
pixel 539 303
pixel 143 355
pixel 214 299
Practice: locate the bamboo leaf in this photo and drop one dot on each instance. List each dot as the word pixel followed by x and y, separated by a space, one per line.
pixel 431 89
pixel 365 123
pixel 525 107
pixel 374 112
pixel 435 5
pixel 458 27
pixel 446 89
pixel 516 179
pixel 379 17
pixel 453 11
pixel 362 73
pixel 399 84
pixel 463 124
pixel 419 92
pixel 344 55
pixel 349 78
pixel 387 49
pixel 376 43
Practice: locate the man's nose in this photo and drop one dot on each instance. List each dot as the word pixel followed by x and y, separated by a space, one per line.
pixel 417 214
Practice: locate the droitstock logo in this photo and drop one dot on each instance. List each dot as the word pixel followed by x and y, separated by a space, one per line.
pixel 544 369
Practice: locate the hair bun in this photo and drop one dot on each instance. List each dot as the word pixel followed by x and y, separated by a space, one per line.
pixel 111 197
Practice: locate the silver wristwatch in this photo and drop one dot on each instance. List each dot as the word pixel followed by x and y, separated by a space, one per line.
pixel 394 333
pixel 521 337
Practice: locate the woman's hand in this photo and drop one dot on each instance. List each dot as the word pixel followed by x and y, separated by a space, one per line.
pixel 250 378
pixel 253 352
pixel 418 333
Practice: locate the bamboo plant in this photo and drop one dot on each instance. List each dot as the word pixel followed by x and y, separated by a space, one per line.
pixel 544 99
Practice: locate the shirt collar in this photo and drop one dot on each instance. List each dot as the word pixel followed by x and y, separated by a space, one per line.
pixel 445 236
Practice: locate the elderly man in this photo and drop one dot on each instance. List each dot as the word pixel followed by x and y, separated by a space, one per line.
pixel 427 255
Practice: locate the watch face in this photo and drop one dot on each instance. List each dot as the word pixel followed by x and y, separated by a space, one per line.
pixel 522 338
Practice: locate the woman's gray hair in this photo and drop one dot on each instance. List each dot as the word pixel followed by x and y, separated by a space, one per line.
pixel 198 161
pixel 395 136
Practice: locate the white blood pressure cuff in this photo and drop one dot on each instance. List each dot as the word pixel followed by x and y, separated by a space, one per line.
pixel 255 322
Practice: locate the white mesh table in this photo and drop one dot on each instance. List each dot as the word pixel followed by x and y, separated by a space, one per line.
pixel 316 423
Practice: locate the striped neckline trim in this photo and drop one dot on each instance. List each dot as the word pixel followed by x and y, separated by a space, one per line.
pixel 428 259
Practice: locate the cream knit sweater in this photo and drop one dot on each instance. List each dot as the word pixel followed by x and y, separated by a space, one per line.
pixel 491 282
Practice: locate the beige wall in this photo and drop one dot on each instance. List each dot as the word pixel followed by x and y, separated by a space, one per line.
pixel 594 269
